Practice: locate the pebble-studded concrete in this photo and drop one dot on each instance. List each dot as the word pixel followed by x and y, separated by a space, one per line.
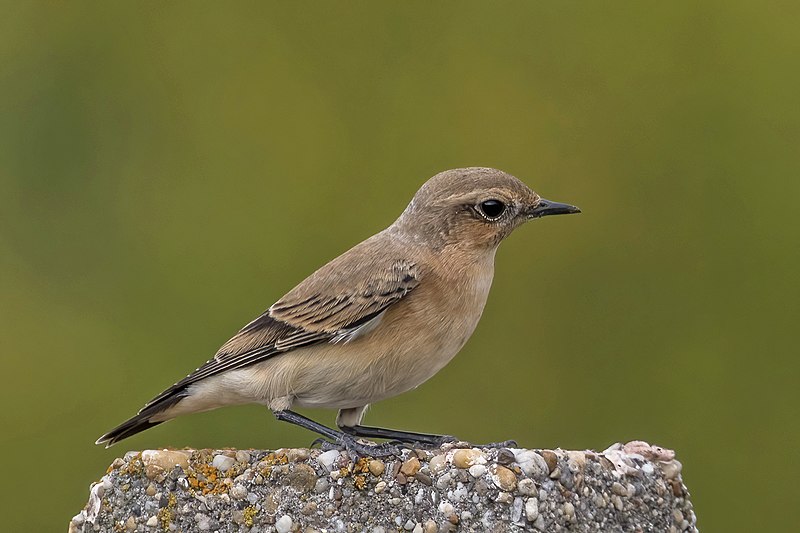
pixel 627 488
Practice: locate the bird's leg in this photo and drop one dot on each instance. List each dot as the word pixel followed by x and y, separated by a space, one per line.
pixel 408 437
pixel 339 438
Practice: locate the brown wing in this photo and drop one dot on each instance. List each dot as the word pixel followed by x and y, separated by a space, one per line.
pixel 333 301
pixel 331 305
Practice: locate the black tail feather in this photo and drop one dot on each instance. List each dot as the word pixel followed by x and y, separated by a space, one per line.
pixel 142 420
pixel 128 428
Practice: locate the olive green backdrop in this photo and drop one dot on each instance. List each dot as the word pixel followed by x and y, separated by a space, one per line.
pixel 168 170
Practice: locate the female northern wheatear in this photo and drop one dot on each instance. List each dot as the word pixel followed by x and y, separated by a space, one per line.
pixel 376 321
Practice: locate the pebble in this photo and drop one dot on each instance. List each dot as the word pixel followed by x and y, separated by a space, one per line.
pixel 152 521
pixel 321 485
pixel 504 478
pixel 242 457
pixel 653 453
pixel 424 478
pixel 327 459
pixel 446 508
pixel 467 458
pixel 410 467
pixel 532 464
pixel 505 456
pixel 302 477
pixel 238 492
pixel 551 459
pixel 430 527
pixel 460 494
pixel 418 528
pixel 569 510
pixel 617 501
pixel 671 469
pixel 165 459
pixel 380 487
pixel 437 464
pixel 150 490
pixel 409 525
pixel 477 471
pixel 203 522
pixel 376 467
pixel 152 471
pixel 516 510
pixel 526 487
pixel 532 509
pixel 576 461
pixel 284 523
pixel 504 497
pixel 296 455
pixel 223 463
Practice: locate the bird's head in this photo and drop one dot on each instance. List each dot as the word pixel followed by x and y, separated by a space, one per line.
pixel 473 207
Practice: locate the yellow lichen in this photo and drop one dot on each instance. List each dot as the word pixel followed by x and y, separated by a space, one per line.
pixel 360 482
pixel 134 466
pixel 273 458
pixel 165 517
pixel 249 514
pixel 204 477
pixel 362 465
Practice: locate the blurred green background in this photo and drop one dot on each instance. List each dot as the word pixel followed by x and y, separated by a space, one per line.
pixel 168 170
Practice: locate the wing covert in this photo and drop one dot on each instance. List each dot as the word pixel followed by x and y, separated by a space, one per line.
pixel 326 303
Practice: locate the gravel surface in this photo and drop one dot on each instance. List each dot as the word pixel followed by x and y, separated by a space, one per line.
pixel 633 487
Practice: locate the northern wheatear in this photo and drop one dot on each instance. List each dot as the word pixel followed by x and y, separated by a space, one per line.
pixel 376 321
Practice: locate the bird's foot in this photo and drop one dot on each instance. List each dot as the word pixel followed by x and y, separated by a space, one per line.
pixel 357 448
pixel 457 443
pixel 434 442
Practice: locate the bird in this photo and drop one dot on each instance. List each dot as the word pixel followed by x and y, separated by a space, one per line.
pixel 375 322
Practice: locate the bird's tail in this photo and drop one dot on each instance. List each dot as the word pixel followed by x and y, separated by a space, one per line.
pixel 143 419
pixel 128 428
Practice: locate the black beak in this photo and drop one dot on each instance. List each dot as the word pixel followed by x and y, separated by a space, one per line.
pixel 546 207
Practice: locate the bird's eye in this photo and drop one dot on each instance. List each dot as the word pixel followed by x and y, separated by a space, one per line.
pixel 492 209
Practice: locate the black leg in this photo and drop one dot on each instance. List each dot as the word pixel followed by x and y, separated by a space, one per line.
pixel 409 437
pixel 304 422
pixel 348 442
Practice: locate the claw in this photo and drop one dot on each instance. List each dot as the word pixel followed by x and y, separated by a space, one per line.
pixel 321 442
pixel 357 448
